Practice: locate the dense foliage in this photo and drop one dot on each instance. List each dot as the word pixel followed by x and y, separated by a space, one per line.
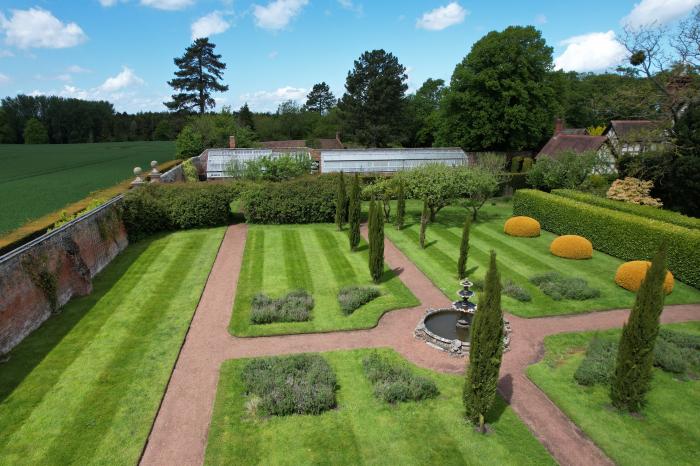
pixel 354 211
pixel 211 130
pixel 293 307
pixel 271 168
pixel 464 249
pixel 35 132
pixel 568 171
pixel 340 202
pixel 620 234
pixel 302 200
pixel 284 385
pixel 558 287
pixel 395 383
pixel 320 99
pixel 633 191
pixel 352 297
pixel 376 242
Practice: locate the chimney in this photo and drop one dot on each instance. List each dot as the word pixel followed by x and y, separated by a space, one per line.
pixel 232 142
pixel 558 126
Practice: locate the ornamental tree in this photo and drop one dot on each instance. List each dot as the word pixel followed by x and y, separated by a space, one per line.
pixel 340 202
pixel 376 242
pixel 464 249
pixel 435 183
pixel 354 211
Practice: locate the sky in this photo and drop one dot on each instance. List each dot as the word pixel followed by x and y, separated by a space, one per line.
pixel 276 50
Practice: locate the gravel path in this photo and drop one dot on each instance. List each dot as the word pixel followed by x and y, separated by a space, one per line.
pixel 180 430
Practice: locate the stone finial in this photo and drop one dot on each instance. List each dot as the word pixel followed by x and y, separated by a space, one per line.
pixel 138 181
pixel 155 174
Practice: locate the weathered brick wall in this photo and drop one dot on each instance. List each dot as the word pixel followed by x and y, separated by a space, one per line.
pixel 71 255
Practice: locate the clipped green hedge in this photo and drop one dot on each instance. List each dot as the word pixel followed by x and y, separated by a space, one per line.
pixel 655 213
pixel 305 200
pixel 620 234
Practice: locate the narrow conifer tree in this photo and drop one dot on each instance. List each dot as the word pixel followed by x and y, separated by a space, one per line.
pixel 632 378
pixel 400 206
pixel 424 218
pixel 376 241
pixel 354 211
pixel 340 201
pixel 464 249
pixel 486 350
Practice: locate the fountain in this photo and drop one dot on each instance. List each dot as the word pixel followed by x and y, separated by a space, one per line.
pixel 449 329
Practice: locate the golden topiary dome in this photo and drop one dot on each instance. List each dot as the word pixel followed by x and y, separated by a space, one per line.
pixel 571 247
pixel 630 275
pixel 526 227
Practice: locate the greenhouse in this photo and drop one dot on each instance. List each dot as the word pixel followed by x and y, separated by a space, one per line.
pixel 387 160
pixel 219 159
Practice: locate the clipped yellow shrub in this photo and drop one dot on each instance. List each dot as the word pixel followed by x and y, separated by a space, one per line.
pixel 522 226
pixel 630 275
pixel 571 247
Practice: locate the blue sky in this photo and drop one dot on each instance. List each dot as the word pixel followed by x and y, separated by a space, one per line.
pixel 122 50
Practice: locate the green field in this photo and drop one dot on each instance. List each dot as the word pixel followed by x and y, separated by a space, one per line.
pixel 364 430
pixel 39 179
pixel 667 432
pixel 317 258
pixel 518 260
pixel 85 387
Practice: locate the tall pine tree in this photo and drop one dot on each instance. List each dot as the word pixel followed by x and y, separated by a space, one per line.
pixel 464 249
pixel 486 349
pixel 376 241
pixel 354 211
pixel 245 117
pixel 400 206
pixel 340 202
pixel 199 73
pixel 632 378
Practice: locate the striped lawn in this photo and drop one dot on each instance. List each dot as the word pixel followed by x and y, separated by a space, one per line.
pixel 317 258
pixel 364 430
pixel 85 387
pixel 518 260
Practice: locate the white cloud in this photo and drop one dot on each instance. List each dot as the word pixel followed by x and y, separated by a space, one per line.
pixel 590 52
pixel 4 79
pixel 126 78
pixel 169 5
pixel 278 13
pixel 6 53
pixel 540 19
pixel 77 69
pixel 208 25
pixel 442 17
pixel 108 2
pixel 267 101
pixel 37 27
pixel 352 6
pixel 659 12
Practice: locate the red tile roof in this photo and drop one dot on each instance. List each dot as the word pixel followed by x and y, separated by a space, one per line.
pixel 577 143
pixel 330 143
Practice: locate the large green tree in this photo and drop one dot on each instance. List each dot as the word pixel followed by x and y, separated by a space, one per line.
pixel 35 133
pixel 320 99
pixel 374 97
pixel 422 110
pixel 199 73
pixel 486 349
pixel 434 183
pixel 632 377
pixel 245 117
pixel 501 96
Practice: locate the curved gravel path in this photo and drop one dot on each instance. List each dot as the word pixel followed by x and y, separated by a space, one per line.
pixel 179 433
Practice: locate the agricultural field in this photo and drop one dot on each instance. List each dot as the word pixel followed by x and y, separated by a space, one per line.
pixel 85 387
pixel 665 432
pixel 315 258
pixel 39 179
pixel 519 259
pixel 363 429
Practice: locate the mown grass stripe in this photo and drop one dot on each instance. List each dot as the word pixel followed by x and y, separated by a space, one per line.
pixel 339 265
pixel 250 279
pixel 295 263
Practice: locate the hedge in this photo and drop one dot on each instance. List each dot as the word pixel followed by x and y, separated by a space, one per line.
pixel 620 234
pixel 655 213
pixel 305 200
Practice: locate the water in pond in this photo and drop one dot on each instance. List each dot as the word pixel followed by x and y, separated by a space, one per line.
pixel 444 324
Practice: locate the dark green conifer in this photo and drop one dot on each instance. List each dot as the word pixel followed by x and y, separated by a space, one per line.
pixel 424 219
pixel 354 211
pixel 464 249
pixel 400 206
pixel 376 241
pixel 340 202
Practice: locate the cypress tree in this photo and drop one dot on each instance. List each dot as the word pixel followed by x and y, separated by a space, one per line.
pixel 424 218
pixel 340 200
pixel 464 249
pixel 400 206
pixel 376 241
pixel 486 349
pixel 354 211
pixel 632 378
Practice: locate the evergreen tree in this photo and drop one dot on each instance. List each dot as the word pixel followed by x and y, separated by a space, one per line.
pixel 340 202
pixel 464 249
pixel 400 206
pixel 486 349
pixel 424 218
pixel 376 241
pixel 632 378
pixel 35 132
pixel 245 117
pixel 354 211
pixel 199 73
pixel 320 99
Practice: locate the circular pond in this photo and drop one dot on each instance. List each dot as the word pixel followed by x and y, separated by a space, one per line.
pixel 449 324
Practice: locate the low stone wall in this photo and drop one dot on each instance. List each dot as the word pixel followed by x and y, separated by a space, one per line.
pixel 176 174
pixel 39 277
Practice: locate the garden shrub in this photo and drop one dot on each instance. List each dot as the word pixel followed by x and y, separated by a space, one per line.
pixel 558 287
pixel 630 275
pixel 654 213
pixel 394 382
pixel 620 234
pixel 571 247
pixel 522 226
pixel 352 297
pixel 294 307
pixel 634 191
pixel 599 364
pixel 515 291
pixel 299 384
pixel 189 171
pixel 304 200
